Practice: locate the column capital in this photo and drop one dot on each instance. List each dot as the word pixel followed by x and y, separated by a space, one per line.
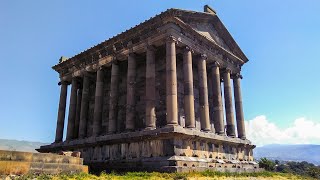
pixel 171 38
pixel 100 68
pixel 227 70
pixel 202 57
pixel 77 78
pixel 151 47
pixel 88 74
pixel 130 44
pixel 187 49
pixel 132 54
pixel 114 61
pixel 236 76
pixel 216 64
pixel 63 83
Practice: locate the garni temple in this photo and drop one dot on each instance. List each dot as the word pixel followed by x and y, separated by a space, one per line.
pixel 164 96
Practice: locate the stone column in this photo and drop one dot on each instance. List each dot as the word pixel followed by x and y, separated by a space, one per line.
pixel 188 89
pixel 131 100
pixel 76 124
pixel 203 94
pixel 61 112
pixel 113 103
pixel 228 103
pixel 72 109
pixel 84 107
pixel 97 116
pixel 217 100
pixel 238 105
pixel 171 82
pixel 150 89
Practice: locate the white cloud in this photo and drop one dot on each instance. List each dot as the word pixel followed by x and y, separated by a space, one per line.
pixel 261 132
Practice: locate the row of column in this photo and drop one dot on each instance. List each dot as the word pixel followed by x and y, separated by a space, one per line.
pixel 217 99
pixel 79 98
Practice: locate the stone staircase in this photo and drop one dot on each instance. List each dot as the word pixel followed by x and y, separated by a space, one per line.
pixel 19 163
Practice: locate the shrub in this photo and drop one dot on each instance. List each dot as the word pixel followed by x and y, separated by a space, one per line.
pixel 267 164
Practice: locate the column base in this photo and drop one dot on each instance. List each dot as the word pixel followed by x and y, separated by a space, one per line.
pixel 56 142
pixel 129 130
pixel 149 128
pixel 221 133
pixel 243 138
pixel 112 132
pixel 191 127
pixel 171 125
pixel 206 130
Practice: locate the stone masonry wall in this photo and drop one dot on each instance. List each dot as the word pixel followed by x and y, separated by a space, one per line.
pixel 190 147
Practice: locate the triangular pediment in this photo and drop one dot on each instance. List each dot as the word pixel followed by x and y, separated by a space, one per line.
pixel 208 30
pixel 206 24
pixel 210 26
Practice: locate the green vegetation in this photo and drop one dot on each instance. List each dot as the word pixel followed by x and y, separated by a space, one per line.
pixel 299 168
pixel 267 164
pixel 274 170
pixel 302 168
pixel 167 176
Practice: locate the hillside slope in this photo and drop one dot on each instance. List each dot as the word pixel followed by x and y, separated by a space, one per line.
pixel 15 145
pixel 301 152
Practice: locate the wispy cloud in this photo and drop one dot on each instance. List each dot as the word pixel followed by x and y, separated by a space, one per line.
pixel 303 131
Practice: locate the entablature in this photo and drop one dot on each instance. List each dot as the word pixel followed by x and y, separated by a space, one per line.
pixel 151 32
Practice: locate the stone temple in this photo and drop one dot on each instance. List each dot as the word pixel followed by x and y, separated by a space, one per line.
pixel 157 97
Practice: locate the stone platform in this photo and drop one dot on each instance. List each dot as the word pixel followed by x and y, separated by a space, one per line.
pixel 166 149
pixel 18 163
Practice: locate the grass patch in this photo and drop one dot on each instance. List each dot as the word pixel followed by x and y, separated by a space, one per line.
pixel 165 176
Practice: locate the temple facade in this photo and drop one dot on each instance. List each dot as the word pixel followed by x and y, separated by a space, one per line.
pixel 164 95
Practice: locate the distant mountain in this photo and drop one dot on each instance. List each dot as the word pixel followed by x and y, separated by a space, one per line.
pixel 14 145
pixel 301 152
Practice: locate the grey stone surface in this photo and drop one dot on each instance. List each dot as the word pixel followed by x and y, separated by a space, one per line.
pixel 61 112
pixel 188 89
pixel 97 118
pixel 157 104
pixel 84 107
pixel 72 109
pixel 228 103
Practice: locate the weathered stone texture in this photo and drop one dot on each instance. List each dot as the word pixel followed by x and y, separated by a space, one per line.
pixel 19 163
pixel 106 99
pixel 151 98
pixel 122 95
pixel 160 90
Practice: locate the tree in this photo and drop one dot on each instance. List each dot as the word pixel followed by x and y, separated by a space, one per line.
pixel 267 164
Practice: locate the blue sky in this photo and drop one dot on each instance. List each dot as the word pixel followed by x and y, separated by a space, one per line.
pixel 280 38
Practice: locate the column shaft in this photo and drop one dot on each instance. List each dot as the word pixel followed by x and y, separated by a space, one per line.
pixel 113 103
pixel 228 104
pixel 188 89
pixel 239 109
pixel 217 101
pixel 97 116
pixel 61 112
pixel 77 121
pixel 150 89
pixel 171 83
pixel 72 109
pixel 84 107
pixel 131 84
pixel 203 94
